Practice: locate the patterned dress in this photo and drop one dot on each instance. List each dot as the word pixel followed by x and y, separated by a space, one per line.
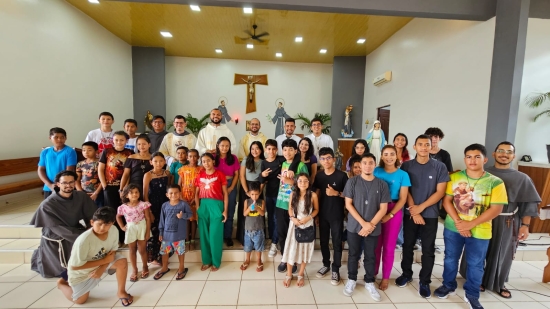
pixel 157 197
pixel 296 252
pixel 187 175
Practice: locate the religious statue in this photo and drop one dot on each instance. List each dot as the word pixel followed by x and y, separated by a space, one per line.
pixel 376 140
pixel 348 130
pixel 339 159
pixel 148 121
pixel 223 109
pixel 250 81
pixel 279 118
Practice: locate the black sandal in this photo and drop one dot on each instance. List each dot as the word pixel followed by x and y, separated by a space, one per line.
pixel 505 290
pixel 182 274
pixel 160 274
pixel 481 288
pixel 127 299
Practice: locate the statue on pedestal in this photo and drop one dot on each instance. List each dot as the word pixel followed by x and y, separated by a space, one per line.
pixel 347 131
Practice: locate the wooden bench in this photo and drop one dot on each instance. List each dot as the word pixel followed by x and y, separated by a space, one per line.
pixel 19 166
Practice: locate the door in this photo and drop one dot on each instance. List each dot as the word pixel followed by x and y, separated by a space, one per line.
pixel 384 117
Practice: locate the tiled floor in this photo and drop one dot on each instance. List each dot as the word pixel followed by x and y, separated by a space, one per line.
pixel 232 288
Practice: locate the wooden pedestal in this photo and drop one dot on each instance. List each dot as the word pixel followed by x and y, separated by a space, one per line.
pixel 345 145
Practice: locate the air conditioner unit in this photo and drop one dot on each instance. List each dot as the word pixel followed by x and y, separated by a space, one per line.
pixel 382 79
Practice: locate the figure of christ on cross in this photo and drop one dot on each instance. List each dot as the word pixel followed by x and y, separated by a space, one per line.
pixel 250 81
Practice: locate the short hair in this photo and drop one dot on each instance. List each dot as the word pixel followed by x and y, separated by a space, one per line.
pixel 91 144
pixel 63 174
pixel 122 133
pixel 180 117
pixel 183 148
pixel 193 150
pixel 478 147
pixel 325 151
pixel 173 186
pixel 106 114
pixel 159 117
pixel 254 186
pixel 57 130
pixel 130 120
pixel 271 142
pixel 290 120
pixel 157 154
pixel 289 143
pixel 215 109
pixel 316 119
pixel 368 155
pixel 422 136
pixel 354 159
pixel 505 143
pixel 256 119
pixel 433 131
pixel 105 214
pixel 127 189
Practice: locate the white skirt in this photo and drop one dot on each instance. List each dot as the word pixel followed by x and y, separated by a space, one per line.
pixel 135 231
pixel 296 252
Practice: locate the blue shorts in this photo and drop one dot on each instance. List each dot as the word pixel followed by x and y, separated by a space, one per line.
pixel 254 240
pixel 175 246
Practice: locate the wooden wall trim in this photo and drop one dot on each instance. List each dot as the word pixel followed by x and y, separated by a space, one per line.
pixel 18 166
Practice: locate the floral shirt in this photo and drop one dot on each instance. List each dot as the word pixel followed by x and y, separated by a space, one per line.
pixel 89 179
pixel 133 213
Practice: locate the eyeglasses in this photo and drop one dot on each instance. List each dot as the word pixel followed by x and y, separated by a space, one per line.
pixel 303 181
pixel 178 122
pixel 316 125
pixel 70 183
pixel 509 152
pixel 325 158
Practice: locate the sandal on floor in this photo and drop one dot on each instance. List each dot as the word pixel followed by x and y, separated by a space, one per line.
pixel 300 279
pixel 505 290
pixel 244 265
pixel 205 267
pixel 182 274
pixel 214 269
pixel 144 274
pixel 287 280
pixel 133 278
pixel 127 299
pixel 260 268
pixel 160 274
pixel 481 288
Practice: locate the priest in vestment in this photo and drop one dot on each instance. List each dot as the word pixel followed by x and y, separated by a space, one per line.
pixel 512 225
pixel 60 217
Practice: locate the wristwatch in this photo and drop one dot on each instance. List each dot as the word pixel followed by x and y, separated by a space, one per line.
pixel 525 224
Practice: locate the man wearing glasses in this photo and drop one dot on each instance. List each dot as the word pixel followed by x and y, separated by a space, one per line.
pixel 60 217
pixel 318 138
pixel 512 225
pixel 329 184
pixel 157 135
pixel 179 137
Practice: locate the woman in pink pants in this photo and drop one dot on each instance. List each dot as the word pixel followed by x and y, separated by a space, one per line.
pixel 398 181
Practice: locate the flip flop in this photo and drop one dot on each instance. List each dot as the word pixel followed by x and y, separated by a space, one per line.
pixel 160 274
pixel 260 268
pixel 205 267
pixel 214 269
pixel 505 290
pixel 244 266
pixel 127 299
pixel 144 274
pixel 182 275
pixel 133 278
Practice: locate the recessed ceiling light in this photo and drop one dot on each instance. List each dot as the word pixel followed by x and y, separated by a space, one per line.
pixel 195 8
pixel 298 39
pixel 94 1
pixel 278 55
pixel 218 51
pixel 323 51
pixel 247 10
pixel 249 46
pixel 166 34
pixel 361 41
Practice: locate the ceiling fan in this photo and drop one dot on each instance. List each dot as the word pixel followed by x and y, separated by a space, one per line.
pixel 253 35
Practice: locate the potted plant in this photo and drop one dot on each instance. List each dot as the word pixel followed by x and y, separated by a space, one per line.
pixel 195 125
pixel 306 122
pixel 536 100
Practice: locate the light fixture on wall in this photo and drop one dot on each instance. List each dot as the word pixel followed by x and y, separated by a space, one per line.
pixel 94 1
pixel 249 46
pixel 236 120
pixel 166 34
pixel 247 10
pixel 361 41
pixel 323 51
pixel 279 55
pixel 298 39
pixel 195 8
pixel 218 51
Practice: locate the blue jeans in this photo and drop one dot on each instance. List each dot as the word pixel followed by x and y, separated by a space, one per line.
pixel 254 240
pixel 270 203
pixel 475 251
pixel 231 203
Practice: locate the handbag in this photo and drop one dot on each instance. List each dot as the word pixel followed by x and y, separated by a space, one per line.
pixel 304 235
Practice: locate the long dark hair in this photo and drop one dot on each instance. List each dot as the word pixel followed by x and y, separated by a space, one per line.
pixel 250 158
pixel 296 196
pixel 382 164
pixel 127 190
pixel 359 141
pixel 229 159
pixel 405 154
pixel 309 151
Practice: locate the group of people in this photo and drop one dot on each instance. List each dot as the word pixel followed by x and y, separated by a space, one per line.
pixel 156 198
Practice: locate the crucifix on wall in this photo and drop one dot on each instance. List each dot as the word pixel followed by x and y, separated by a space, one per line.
pixel 251 81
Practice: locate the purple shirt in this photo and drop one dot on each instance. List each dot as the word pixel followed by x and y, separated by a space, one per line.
pixel 228 170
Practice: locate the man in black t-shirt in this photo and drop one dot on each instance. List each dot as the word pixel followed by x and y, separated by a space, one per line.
pixel 329 184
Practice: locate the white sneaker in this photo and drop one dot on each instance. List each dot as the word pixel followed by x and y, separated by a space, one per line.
pixel 272 250
pixel 350 286
pixel 372 291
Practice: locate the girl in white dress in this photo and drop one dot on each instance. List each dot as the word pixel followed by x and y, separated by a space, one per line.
pixel 303 207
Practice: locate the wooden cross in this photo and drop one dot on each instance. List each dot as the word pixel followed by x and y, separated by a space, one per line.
pixel 250 81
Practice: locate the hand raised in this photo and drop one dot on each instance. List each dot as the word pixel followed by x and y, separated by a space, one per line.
pixel 180 214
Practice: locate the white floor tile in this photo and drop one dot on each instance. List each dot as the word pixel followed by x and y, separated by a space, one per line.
pixel 530 305
pixel 25 294
pixel 53 299
pixel 325 293
pixel 296 307
pixel 253 307
pixel 145 293
pixel 220 293
pixel 181 293
pixel 339 306
pixel 530 285
pixel 362 296
pixel 21 273
pixel 7 287
pixel 267 274
pixel 293 294
pixel 527 270
pixel 227 271
pixel 407 294
pixel 103 296
pixel 413 306
pixel 538 264
pixel 375 306
pixel 4 268
pixel 257 292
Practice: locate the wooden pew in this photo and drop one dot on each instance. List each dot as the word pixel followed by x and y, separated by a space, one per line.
pixel 15 167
